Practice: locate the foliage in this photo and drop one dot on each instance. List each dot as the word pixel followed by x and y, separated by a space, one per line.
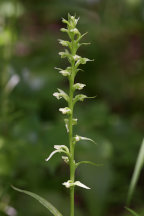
pixel 114 121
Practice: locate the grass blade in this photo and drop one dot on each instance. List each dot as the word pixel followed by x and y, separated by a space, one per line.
pixel 132 212
pixel 136 173
pixel 44 202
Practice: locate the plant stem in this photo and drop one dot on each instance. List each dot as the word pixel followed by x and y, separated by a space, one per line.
pixel 72 162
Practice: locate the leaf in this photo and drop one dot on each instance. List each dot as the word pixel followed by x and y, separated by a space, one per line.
pixel 88 162
pixel 44 202
pixel 138 166
pixel 132 212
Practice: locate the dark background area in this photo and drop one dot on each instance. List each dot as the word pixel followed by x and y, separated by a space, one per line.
pixel 30 123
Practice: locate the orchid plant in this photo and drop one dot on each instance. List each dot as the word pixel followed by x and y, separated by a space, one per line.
pixel 68 152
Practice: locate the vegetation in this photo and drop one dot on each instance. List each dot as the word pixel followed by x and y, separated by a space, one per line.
pixel 29 32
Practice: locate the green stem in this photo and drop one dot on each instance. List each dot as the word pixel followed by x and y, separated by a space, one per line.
pixel 72 162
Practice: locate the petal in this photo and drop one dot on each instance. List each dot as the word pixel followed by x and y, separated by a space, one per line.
pixel 78 183
pixel 78 138
pixel 54 152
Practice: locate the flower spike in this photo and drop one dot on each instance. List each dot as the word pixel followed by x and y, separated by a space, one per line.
pixel 75 60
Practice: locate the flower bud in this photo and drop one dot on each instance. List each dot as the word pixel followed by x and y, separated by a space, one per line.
pixel 64 54
pixel 75 31
pixel 64 30
pixel 64 21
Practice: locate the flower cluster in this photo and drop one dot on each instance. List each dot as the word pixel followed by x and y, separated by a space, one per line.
pixel 70 72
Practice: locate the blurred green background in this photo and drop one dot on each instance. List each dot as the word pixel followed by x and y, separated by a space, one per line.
pixel 30 124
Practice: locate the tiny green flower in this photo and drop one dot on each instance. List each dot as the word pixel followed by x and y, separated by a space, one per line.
pixel 75 31
pixel 65 110
pixel 64 43
pixel 64 30
pixel 79 86
pixel 61 94
pixel 64 54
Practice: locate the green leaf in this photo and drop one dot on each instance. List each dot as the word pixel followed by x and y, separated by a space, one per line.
pixel 136 173
pixel 44 202
pixel 88 162
pixel 132 212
